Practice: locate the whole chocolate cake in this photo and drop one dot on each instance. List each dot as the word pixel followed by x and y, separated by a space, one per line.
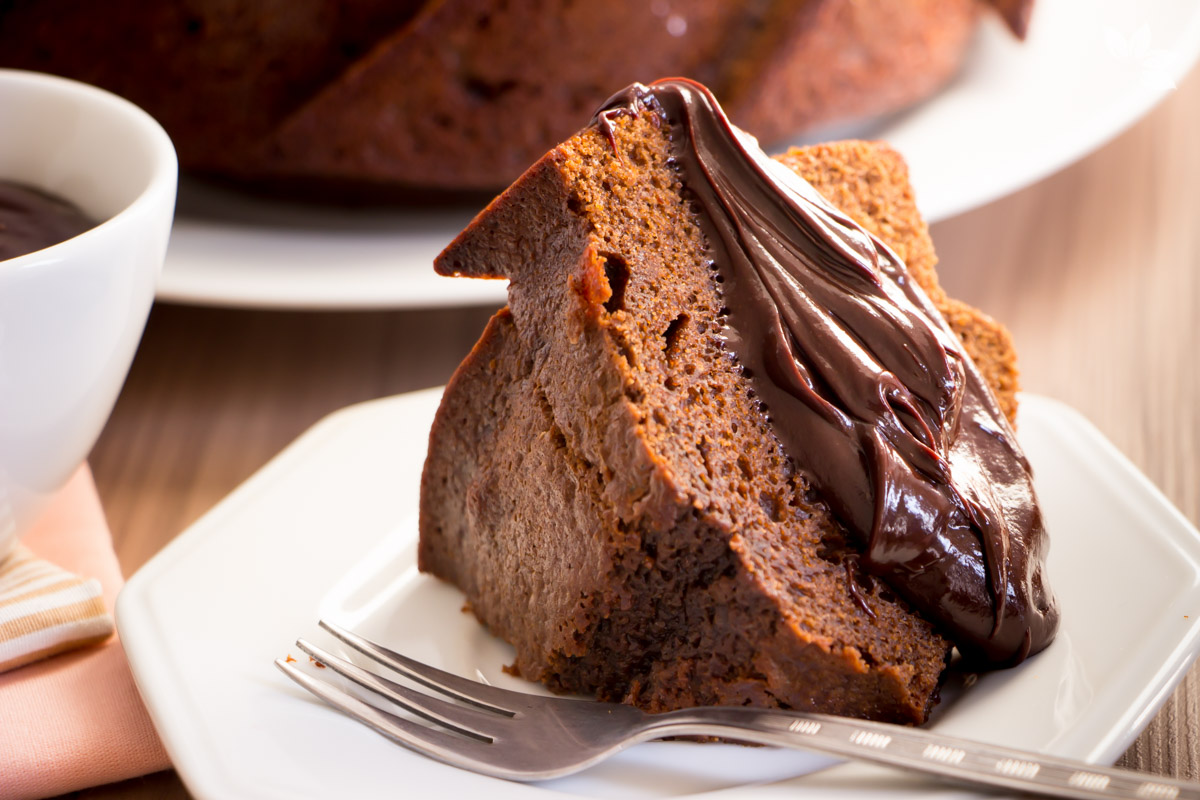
pixel 464 94
pixel 729 444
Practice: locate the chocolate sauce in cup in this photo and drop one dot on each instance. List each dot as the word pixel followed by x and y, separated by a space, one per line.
pixel 32 220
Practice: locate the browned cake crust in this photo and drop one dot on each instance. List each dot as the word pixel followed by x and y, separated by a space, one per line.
pixel 604 489
pixel 464 94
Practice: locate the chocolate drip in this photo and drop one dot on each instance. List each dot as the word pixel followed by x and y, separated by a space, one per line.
pixel 31 220
pixel 867 388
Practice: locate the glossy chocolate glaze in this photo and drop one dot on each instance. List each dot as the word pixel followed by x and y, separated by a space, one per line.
pixel 868 390
pixel 31 219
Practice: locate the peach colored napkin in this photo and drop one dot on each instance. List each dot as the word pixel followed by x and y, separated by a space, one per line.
pixel 75 720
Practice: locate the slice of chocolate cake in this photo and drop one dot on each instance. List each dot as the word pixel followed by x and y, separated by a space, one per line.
pixel 722 447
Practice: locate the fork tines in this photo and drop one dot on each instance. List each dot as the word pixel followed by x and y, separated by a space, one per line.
pixel 458 723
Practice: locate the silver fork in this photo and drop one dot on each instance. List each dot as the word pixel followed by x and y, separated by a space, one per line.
pixel 527 737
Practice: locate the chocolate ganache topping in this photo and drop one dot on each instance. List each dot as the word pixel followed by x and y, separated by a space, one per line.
pixel 869 391
pixel 31 219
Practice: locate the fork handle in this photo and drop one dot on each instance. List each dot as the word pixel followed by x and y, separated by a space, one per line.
pixel 915 749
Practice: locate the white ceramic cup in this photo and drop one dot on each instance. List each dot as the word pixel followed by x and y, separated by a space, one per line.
pixel 71 315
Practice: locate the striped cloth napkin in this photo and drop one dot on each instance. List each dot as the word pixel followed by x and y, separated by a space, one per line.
pixel 75 720
pixel 45 610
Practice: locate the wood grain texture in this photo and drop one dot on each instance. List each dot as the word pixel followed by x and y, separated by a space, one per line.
pixel 1096 270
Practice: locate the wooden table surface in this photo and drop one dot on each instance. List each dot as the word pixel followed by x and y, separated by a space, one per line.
pixel 1095 269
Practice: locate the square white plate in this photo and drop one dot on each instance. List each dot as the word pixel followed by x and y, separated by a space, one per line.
pixel 328 528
